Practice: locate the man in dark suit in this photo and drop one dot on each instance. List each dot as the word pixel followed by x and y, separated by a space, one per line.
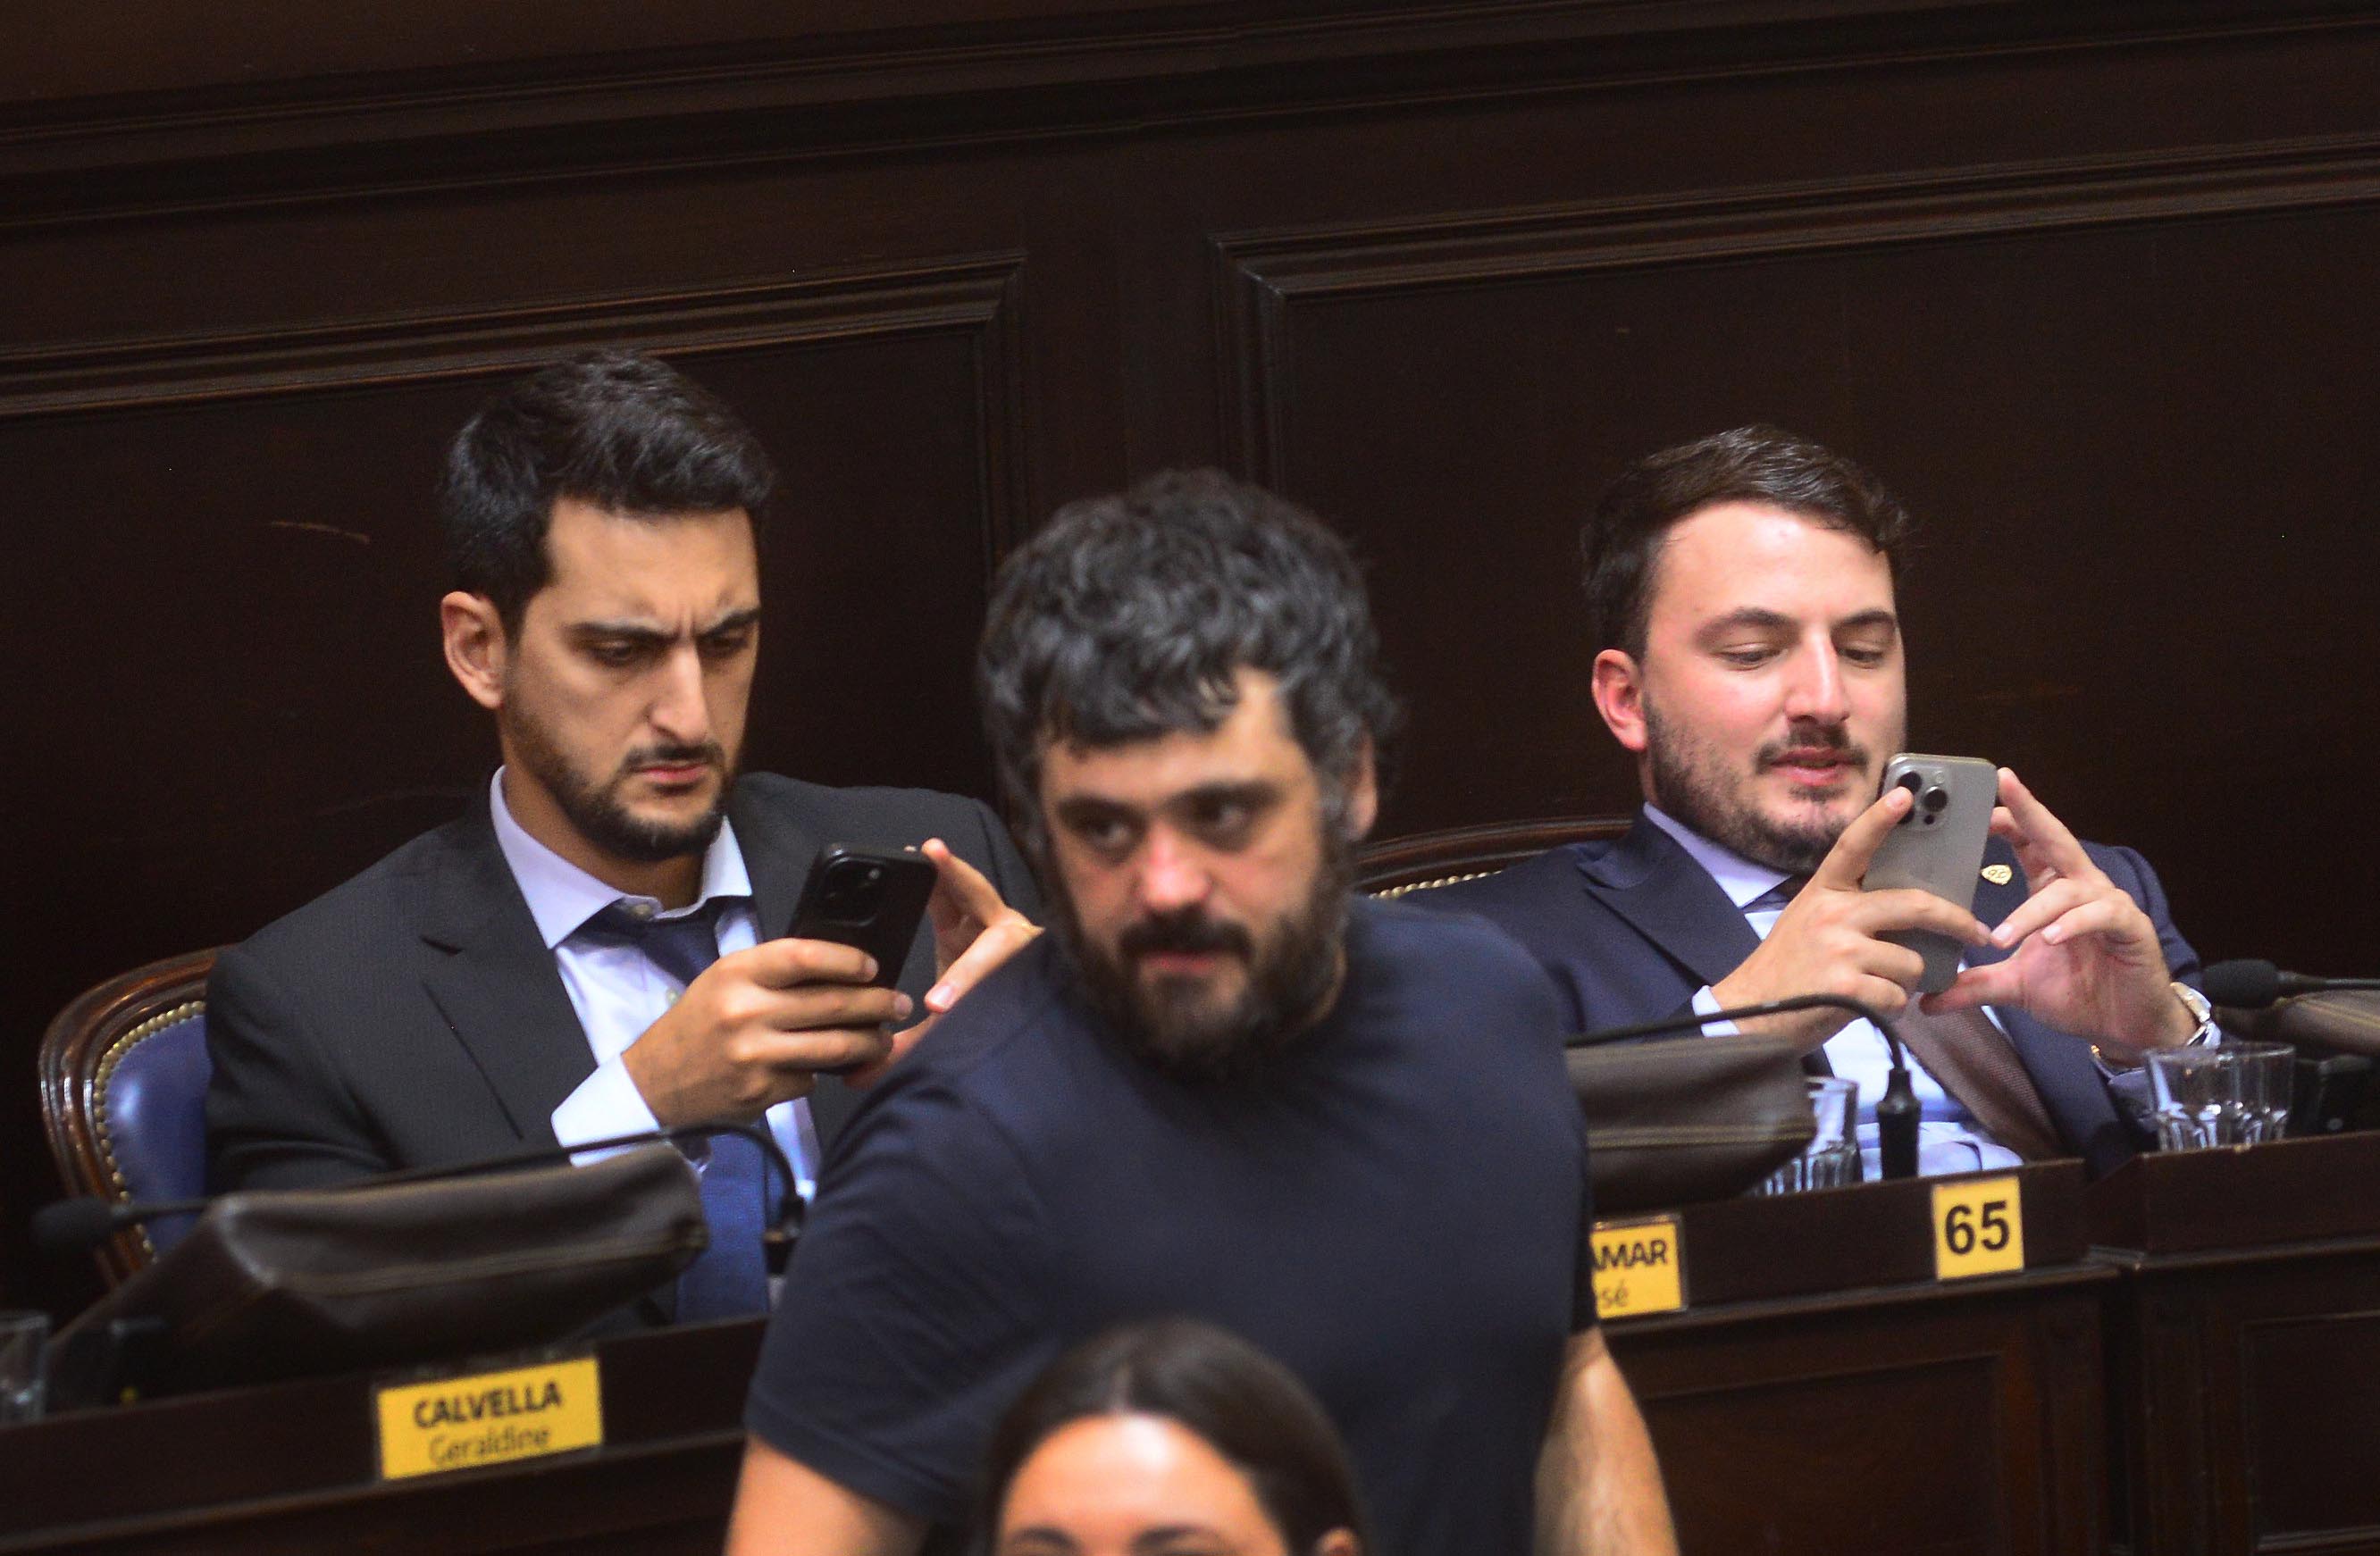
pixel 595 949
pixel 1750 657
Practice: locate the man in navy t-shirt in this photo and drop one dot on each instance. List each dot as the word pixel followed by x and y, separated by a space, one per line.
pixel 1224 1089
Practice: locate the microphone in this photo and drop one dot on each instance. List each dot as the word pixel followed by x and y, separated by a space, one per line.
pixel 2249 984
pixel 87 1220
pixel 78 1223
pixel 1896 1111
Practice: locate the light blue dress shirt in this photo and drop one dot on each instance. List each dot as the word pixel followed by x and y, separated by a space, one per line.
pixel 1948 1139
pixel 618 992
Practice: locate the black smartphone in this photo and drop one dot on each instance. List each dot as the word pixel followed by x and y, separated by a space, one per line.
pixel 855 896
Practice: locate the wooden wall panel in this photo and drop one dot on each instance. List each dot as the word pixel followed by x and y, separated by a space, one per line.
pixel 237 619
pixel 2088 285
pixel 2047 364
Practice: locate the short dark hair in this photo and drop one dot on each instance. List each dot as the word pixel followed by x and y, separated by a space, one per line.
pixel 617 430
pixel 1246 1405
pixel 1620 543
pixel 1129 617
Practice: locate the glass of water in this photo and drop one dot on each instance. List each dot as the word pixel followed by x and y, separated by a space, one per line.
pixel 2237 1094
pixel 1832 1158
pixel 24 1340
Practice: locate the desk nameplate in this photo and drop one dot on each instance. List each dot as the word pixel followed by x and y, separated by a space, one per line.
pixel 1640 1267
pixel 441 1424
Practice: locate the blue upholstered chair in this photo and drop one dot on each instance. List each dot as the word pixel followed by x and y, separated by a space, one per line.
pixel 124 1086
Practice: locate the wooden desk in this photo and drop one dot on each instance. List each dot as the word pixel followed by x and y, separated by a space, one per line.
pixel 291 1468
pixel 1825 1394
pixel 2244 1347
pixel 1821 1392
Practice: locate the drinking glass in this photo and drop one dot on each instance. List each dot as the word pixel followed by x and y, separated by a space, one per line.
pixel 1832 1156
pixel 2236 1094
pixel 24 1338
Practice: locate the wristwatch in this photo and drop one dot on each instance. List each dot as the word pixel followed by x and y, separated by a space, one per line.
pixel 2208 1032
pixel 2196 1004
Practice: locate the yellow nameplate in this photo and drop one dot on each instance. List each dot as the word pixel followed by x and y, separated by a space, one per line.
pixel 1978 1228
pixel 1639 1268
pixel 490 1418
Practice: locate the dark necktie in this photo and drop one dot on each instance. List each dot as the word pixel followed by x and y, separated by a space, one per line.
pixel 731 1278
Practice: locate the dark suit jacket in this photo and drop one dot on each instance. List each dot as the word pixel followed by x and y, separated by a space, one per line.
pixel 1630 928
pixel 413 1016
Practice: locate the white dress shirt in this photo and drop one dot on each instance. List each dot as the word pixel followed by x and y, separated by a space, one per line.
pixel 618 991
pixel 1948 1139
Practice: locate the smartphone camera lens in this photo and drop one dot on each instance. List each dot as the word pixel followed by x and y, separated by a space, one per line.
pixel 1913 782
pixel 1934 800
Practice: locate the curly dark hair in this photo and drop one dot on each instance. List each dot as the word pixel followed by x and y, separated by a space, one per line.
pixel 614 429
pixel 1129 617
pixel 1246 1405
pixel 1622 540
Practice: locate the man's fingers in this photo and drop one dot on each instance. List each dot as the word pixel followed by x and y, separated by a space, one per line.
pixel 2114 917
pixel 820 1006
pixel 962 892
pixel 2038 909
pixel 895 1051
pixel 1993 985
pixel 2035 828
pixel 1847 861
pixel 791 1055
pixel 1906 907
pixel 1004 939
pixel 788 963
pixel 1882 994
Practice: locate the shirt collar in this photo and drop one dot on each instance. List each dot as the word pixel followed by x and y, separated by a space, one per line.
pixel 1743 880
pixel 562 898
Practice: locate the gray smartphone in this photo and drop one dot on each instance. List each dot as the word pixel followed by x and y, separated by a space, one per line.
pixel 1938 847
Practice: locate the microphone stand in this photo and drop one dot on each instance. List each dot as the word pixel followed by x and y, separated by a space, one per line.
pixel 1896 1111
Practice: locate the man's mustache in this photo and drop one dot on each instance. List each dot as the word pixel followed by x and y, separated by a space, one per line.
pixel 1825 740
pixel 1191 933
pixel 709 753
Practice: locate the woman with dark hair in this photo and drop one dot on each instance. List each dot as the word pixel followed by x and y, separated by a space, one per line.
pixel 1170 1437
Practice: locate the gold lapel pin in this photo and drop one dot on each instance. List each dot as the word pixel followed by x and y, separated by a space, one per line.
pixel 1998 875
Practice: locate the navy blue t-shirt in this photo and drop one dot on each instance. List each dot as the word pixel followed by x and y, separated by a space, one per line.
pixel 1396 1209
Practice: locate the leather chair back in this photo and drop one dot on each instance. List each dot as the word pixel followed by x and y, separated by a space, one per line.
pixel 1668 1124
pixel 124 1086
pixel 1394 866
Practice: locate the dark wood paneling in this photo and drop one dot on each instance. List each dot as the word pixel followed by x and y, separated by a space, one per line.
pixel 2046 363
pixel 1887 1420
pixel 2088 283
pixel 247 680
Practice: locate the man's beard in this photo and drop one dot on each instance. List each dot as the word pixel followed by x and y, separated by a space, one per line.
pixel 1693 785
pixel 595 810
pixel 1171 1025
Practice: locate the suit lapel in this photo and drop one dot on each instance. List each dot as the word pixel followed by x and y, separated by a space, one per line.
pixel 1659 890
pixel 1996 901
pixel 777 856
pixel 2061 1066
pixel 1656 888
pixel 497 986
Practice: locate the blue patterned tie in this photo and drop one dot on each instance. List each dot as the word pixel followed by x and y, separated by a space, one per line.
pixel 731 1278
